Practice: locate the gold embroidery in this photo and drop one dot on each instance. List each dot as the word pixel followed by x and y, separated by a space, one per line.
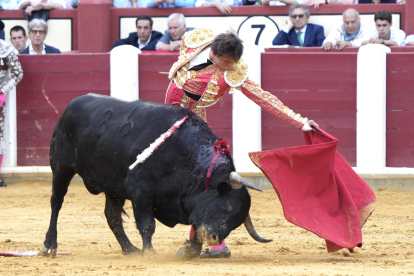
pixel 199 37
pixel 215 77
pixel 213 88
pixel 208 97
pixel 271 103
pixel 185 100
pixel 237 75
pixel 194 86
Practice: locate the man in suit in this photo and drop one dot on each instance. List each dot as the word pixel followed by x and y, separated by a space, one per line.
pixel 37 35
pixel 298 31
pixel 144 38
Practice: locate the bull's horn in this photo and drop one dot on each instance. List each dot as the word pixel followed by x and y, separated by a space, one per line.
pixel 250 228
pixel 237 181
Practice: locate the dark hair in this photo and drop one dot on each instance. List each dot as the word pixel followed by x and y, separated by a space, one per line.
pixel 144 17
pixel 383 15
pixel 228 44
pixel 18 28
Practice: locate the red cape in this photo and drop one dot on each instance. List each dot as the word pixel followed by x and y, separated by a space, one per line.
pixel 318 189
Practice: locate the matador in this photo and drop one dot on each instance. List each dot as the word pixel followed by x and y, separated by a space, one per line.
pixel 210 65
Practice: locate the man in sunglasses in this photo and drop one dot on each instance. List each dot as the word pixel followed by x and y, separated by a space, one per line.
pixel 37 34
pixel 298 31
pixel 350 34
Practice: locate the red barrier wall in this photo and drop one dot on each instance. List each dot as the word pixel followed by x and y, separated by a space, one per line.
pixel 400 110
pixel 50 82
pixel 320 86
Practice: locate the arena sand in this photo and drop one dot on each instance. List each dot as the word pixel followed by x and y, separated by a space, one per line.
pixel 82 229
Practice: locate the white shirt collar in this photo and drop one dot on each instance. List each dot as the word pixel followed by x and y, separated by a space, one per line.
pixel 303 31
pixel 32 52
pixel 140 46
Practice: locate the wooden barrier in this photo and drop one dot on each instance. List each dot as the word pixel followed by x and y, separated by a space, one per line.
pixel 321 86
pixel 50 82
pixel 400 110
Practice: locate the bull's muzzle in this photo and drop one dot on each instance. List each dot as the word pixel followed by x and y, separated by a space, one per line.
pixel 203 235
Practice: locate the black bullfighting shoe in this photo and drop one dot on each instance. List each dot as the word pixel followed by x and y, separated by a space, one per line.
pixel 222 253
pixel 2 184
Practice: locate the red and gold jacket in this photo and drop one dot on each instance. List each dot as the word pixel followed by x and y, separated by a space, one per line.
pixel 211 83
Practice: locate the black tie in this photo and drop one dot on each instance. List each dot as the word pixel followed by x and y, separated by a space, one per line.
pixel 202 65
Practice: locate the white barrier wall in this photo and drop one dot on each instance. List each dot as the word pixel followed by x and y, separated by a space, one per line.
pixel 124 73
pixel 371 106
pixel 247 116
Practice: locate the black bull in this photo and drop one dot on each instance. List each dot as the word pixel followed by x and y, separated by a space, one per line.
pixel 99 137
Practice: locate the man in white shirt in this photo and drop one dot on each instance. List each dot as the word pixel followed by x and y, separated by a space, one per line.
pixel 350 34
pixel 384 33
pixel 37 5
pixel 410 40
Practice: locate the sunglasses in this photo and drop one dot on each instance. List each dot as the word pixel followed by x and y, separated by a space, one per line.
pixel 42 32
pixel 297 15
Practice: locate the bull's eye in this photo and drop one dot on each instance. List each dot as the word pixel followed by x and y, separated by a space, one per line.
pixel 229 207
pixel 223 226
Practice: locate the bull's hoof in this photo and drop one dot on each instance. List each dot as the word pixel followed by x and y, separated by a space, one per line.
pixel 133 251
pixel 222 253
pixel 191 250
pixel 49 251
pixel 2 184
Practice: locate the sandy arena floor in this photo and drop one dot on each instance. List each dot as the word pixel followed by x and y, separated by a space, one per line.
pixel 25 212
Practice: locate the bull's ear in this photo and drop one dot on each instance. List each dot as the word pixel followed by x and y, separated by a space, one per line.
pixel 224 187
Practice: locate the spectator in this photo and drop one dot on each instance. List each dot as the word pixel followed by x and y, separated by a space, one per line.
pixel 410 40
pixel 222 5
pixel 9 5
pixel 273 2
pixel 2 34
pixel 37 34
pixel 10 74
pixel 171 39
pixel 33 5
pixel 317 3
pixel 350 34
pixel 384 33
pixel 170 3
pixel 18 38
pixel 298 31
pixel 377 1
pixel 144 38
pixel 125 3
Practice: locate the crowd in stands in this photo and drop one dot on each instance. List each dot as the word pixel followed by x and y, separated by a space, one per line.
pixel 297 31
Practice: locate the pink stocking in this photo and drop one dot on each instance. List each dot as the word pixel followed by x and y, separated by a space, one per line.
pixel 192 232
pixel 219 247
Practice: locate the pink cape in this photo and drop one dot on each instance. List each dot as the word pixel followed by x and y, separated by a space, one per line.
pixel 318 189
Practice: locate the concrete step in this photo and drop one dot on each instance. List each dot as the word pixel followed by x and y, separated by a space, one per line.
pixel 393 179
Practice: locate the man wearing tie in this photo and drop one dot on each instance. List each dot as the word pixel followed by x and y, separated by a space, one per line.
pixel 298 32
